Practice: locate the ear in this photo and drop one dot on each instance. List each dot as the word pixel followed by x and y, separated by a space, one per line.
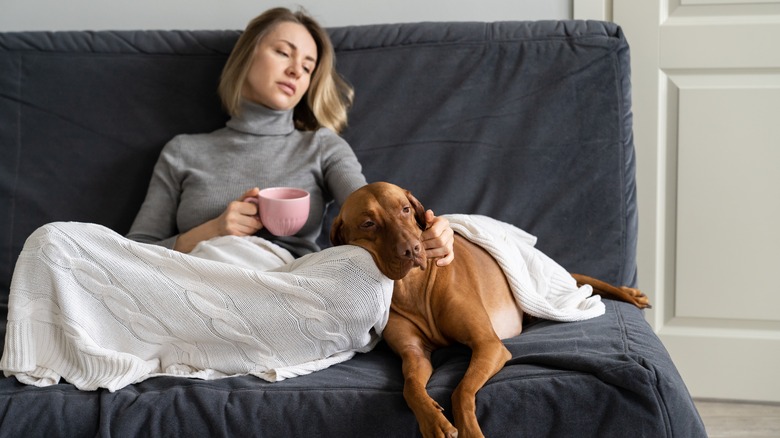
pixel 335 232
pixel 419 210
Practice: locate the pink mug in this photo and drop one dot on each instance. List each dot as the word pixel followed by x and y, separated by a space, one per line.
pixel 283 210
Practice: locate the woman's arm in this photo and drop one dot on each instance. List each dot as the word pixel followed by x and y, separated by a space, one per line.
pixel 156 220
pixel 239 219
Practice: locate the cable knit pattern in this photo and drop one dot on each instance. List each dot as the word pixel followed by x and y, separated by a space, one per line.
pixel 102 311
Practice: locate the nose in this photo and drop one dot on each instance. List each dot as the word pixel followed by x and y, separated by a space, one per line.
pixel 408 249
pixel 294 70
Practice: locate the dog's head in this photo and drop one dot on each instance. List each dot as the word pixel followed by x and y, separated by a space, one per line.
pixel 387 221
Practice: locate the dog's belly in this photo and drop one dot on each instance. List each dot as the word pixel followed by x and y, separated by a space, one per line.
pixel 479 271
pixel 507 323
pixel 488 280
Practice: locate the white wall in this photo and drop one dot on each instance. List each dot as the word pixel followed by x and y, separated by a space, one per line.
pixel 19 15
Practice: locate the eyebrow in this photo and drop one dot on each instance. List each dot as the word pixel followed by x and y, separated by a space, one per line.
pixel 294 47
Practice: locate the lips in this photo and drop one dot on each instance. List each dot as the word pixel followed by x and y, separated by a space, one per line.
pixel 397 271
pixel 287 88
pixel 403 266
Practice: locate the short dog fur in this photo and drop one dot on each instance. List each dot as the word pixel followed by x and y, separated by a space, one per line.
pixel 468 301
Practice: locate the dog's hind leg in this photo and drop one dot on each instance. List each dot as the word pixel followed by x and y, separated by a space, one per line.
pixel 473 329
pixel 488 356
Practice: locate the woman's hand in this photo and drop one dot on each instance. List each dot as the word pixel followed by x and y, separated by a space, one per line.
pixel 438 239
pixel 240 218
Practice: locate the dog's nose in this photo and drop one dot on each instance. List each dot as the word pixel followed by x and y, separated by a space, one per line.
pixel 409 250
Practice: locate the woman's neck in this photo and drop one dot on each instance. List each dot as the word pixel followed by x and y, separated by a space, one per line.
pixel 258 119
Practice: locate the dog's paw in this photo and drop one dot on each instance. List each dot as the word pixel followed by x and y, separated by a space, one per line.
pixel 638 297
pixel 438 429
pixel 433 423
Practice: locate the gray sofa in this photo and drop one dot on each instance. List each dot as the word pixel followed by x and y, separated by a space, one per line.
pixel 527 122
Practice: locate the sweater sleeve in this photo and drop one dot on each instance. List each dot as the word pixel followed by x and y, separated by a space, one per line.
pixel 156 220
pixel 341 170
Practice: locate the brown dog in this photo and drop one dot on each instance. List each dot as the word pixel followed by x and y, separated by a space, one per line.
pixel 469 301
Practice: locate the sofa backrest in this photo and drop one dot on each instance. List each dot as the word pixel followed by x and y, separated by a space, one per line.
pixel 527 122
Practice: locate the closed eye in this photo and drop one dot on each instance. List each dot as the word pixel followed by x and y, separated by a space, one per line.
pixel 367 225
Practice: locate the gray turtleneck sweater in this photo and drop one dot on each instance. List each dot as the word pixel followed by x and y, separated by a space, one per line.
pixel 196 176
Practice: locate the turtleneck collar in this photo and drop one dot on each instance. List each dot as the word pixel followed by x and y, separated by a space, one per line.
pixel 257 119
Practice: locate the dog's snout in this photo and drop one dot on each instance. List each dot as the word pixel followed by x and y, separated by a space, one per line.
pixel 409 250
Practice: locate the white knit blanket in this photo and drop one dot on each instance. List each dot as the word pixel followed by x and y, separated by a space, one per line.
pixel 99 310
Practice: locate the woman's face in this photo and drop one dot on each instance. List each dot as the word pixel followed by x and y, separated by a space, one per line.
pixel 281 68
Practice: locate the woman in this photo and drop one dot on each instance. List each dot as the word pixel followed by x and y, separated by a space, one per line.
pixel 105 311
pixel 287 102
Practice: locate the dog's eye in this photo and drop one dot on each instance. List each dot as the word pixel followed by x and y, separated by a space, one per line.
pixel 367 224
pixel 407 209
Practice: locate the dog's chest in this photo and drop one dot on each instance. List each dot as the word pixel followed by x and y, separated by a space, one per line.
pixel 415 299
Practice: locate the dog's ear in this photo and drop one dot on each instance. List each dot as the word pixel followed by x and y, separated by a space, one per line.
pixel 336 238
pixel 419 210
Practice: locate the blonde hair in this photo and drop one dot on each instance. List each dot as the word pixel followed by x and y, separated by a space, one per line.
pixel 329 96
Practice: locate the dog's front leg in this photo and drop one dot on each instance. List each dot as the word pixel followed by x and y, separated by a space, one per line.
pixel 417 371
pixel 402 337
